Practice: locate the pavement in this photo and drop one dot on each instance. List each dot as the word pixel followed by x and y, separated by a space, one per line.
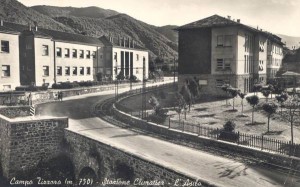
pixel 194 163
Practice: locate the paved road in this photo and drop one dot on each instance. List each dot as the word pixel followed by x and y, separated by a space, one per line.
pixel 198 164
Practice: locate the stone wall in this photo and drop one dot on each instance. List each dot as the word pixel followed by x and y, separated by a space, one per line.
pixel 104 160
pixel 15 111
pixel 25 143
pixel 193 140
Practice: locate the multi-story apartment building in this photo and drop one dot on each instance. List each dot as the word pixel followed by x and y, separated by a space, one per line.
pixel 48 56
pixel 122 55
pixel 218 50
pixel 9 58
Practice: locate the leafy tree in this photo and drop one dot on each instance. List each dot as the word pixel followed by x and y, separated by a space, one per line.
pixel 227 133
pixel 266 94
pixel 153 101
pixel 242 96
pixel 229 126
pixel 281 99
pixel 270 109
pixel 121 76
pixel 253 101
pixel 272 89
pixel 257 88
pixel 291 114
pixel 194 88
pixel 233 92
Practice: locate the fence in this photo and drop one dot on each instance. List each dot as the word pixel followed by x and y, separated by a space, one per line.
pixel 254 141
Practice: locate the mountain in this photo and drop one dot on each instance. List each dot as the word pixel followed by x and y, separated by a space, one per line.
pixel 290 41
pixel 13 11
pixel 96 22
pixel 91 12
pixel 168 31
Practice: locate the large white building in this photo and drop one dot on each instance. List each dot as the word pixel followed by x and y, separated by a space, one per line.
pixel 43 57
pixel 9 58
pixel 218 50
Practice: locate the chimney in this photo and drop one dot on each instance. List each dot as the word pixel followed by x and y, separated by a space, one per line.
pixel 1 22
pixel 36 28
pixel 238 20
pixel 229 17
pixel 124 42
pixel 133 43
pixel 119 38
pixel 129 42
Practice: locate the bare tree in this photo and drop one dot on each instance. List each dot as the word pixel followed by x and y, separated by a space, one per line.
pixel 181 105
pixel 233 92
pixel 187 95
pixel 225 88
pixel 242 96
pixel 291 114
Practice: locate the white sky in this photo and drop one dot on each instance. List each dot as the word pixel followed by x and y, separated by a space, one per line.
pixel 276 16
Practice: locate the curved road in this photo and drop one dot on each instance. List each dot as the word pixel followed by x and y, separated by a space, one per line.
pixel 195 163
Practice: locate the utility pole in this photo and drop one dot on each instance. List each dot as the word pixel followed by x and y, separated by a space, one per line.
pixel 144 90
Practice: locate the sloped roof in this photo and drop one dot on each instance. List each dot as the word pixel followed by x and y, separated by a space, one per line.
pixel 4 29
pixel 219 21
pixel 115 42
pixel 55 35
pixel 290 73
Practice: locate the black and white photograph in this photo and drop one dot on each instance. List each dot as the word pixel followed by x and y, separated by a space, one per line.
pixel 175 93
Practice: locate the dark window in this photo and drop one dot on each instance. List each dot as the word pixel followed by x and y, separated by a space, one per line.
pixel 67 52
pixel 74 53
pixel 94 54
pixel 88 70
pixel 45 50
pixel 59 70
pixel 74 70
pixel 5 46
pixel 67 70
pixel 88 54
pixel 81 70
pixel 5 71
pixel 81 54
pixel 58 52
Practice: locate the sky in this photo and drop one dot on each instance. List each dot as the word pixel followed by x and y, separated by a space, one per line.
pixel 276 16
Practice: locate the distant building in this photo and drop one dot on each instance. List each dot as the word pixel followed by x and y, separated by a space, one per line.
pixel 42 57
pixel 218 50
pixel 9 58
pixel 122 55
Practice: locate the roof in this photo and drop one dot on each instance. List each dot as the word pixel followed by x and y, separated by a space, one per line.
pixel 290 73
pixel 119 42
pixel 219 21
pixel 4 29
pixel 55 35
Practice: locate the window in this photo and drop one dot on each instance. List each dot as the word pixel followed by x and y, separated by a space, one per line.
pixel 5 71
pixel 101 56
pixel 219 64
pixel 227 40
pixel 58 52
pixel 67 70
pixel 74 70
pixel 67 53
pixel 88 70
pixel 220 82
pixel 45 70
pixel 81 70
pixel 261 46
pixel 4 46
pixel 219 40
pixel 88 54
pixel 115 56
pixel 59 70
pixel 81 54
pixel 227 64
pixel 74 53
pixel 94 54
pixel 137 57
pixel 45 50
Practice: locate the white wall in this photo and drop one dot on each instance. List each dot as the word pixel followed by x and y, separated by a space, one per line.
pixel 75 62
pixel 41 61
pixel 137 63
pixel 11 59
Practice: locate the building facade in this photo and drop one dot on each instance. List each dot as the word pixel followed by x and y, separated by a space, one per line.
pixel 9 58
pixel 217 51
pixel 44 57
pixel 122 56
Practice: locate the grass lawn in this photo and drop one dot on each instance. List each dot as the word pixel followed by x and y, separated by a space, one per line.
pixel 215 113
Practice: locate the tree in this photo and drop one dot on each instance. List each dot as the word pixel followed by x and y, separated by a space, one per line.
pixel 225 88
pixel 194 88
pixel 270 109
pixel 121 76
pixel 281 99
pixel 242 96
pixel 257 88
pixel 180 104
pixel 253 101
pixel 186 93
pixel 153 101
pixel 291 114
pixel 266 94
pixel 233 92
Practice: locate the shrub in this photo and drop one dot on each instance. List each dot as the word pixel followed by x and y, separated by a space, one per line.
pixel 31 88
pixel 227 133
